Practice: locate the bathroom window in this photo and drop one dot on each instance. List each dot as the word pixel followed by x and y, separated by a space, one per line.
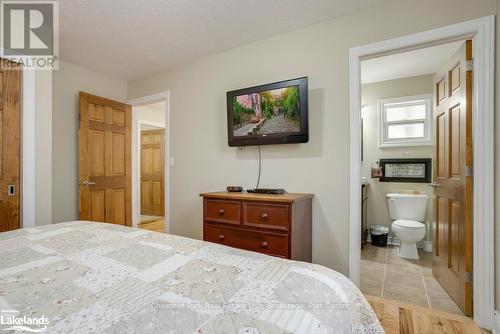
pixel 405 121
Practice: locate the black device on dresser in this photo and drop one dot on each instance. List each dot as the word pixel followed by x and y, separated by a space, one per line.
pixel 269 191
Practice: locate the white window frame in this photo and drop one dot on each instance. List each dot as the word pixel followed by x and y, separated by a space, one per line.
pixel 426 140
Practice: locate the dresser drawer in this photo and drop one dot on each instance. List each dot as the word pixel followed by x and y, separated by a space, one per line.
pixel 266 215
pixel 223 211
pixel 268 243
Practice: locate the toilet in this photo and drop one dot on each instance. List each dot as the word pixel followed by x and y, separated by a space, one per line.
pixel 408 213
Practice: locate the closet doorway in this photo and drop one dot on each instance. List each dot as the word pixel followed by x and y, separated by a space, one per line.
pixel 152 181
pixel 152 176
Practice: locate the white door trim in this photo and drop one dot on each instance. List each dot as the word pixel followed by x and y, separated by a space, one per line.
pixel 483 33
pixel 28 149
pixel 136 210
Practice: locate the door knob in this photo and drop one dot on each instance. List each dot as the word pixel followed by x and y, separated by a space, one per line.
pixel 434 185
pixel 87 183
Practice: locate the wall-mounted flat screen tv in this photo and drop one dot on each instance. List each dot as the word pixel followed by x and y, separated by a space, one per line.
pixel 275 113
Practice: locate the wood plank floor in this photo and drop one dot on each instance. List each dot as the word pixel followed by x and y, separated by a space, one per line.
pixel 157 226
pixel 397 317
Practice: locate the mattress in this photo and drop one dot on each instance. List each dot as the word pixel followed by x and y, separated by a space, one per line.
pixel 83 277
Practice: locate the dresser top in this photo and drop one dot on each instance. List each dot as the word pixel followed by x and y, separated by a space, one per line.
pixel 288 197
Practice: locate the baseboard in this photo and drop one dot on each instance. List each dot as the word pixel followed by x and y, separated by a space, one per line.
pixel 390 240
pixel 393 241
pixel 496 323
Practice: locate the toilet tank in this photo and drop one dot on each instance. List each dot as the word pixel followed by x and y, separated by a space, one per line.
pixel 409 207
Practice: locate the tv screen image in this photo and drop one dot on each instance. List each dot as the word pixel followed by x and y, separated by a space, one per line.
pixel 272 111
pixel 268 114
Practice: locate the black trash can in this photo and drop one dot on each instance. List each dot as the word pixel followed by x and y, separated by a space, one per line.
pixel 379 235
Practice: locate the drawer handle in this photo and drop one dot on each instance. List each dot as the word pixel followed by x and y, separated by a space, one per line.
pixel 264 216
pixel 221 237
pixel 263 244
pixel 221 212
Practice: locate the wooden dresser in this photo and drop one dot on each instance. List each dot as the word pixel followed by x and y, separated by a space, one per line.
pixel 279 225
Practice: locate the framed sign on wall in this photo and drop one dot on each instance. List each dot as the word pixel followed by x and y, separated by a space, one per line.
pixel 406 170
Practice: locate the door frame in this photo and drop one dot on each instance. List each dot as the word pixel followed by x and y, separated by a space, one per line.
pixel 482 31
pixel 136 207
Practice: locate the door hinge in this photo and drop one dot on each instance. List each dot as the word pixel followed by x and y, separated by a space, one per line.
pixel 469 276
pixel 469 65
pixel 469 171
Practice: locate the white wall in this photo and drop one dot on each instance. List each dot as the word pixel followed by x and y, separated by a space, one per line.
pixel 378 211
pixel 43 147
pixel 154 113
pixel 497 164
pixel 204 162
pixel 69 80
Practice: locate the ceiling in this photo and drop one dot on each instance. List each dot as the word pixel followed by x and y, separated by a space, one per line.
pixel 130 39
pixel 407 64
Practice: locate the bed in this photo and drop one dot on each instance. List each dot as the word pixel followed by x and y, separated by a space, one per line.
pixel 84 277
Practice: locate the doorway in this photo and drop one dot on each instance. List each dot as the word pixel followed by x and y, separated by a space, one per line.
pixel 481 32
pixel 104 140
pixel 152 166
pixel 98 203
pixel 150 162
pixel 407 129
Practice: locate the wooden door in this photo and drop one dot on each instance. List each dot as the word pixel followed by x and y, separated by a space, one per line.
pixel 452 262
pixel 10 148
pixel 105 160
pixel 152 172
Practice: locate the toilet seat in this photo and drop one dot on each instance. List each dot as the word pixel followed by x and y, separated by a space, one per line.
pixel 408 223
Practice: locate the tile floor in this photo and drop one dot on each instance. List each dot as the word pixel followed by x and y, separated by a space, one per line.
pixel 385 274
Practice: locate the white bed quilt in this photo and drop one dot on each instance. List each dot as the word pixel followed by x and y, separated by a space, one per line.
pixel 83 277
